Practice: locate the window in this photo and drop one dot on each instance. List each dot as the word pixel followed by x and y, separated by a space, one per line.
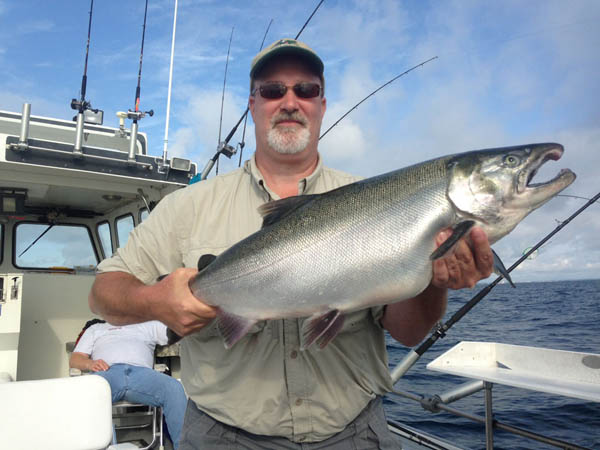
pixel 144 214
pixel 124 227
pixel 47 246
pixel 103 231
pixel 1 241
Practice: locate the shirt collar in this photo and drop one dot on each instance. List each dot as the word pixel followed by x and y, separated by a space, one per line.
pixel 305 185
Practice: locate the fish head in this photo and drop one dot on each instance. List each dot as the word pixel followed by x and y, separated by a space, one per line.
pixel 494 187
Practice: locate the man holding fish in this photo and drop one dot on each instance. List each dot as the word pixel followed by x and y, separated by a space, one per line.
pixel 271 388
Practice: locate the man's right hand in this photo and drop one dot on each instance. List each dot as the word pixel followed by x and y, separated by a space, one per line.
pixel 97 365
pixel 122 299
pixel 182 312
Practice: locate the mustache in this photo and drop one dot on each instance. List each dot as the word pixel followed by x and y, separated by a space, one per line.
pixel 295 116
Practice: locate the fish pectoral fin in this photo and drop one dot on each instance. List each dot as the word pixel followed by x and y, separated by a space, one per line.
pixel 459 230
pixel 331 332
pixel 205 260
pixel 499 268
pixel 276 210
pixel 232 327
pixel 317 326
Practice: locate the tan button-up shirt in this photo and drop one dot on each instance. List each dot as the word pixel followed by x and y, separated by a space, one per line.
pixel 264 384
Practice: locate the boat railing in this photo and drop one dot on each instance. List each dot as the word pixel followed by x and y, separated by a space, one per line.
pixel 573 374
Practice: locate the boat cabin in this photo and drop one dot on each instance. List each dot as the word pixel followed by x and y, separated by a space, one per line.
pixel 70 193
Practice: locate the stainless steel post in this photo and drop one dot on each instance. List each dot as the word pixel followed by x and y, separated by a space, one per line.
pixel 489 417
pixel 24 126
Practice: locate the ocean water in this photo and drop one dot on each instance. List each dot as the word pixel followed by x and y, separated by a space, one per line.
pixel 563 315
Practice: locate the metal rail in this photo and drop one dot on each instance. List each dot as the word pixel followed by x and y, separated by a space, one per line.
pixel 435 405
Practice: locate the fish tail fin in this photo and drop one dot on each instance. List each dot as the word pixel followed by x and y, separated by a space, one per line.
pixel 317 326
pixel 232 327
pixel 499 268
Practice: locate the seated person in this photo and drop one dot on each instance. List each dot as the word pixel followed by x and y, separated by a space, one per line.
pixel 124 356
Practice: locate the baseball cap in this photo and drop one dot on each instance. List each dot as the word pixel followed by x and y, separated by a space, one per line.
pixel 286 47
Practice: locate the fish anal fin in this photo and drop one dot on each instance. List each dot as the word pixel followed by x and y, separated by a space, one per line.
pixel 315 326
pixel 459 230
pixel 331 332
pixel 273 212
pixel 499 268
pixel 232 327
pixel 205 260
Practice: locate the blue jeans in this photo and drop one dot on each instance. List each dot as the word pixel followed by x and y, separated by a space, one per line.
pixel 149 387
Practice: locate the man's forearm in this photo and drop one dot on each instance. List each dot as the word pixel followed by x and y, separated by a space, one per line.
pixel 410 320
pixel 120 298
pixel 80 361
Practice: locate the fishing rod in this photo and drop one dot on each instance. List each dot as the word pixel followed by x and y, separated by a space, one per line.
pixel 242 144
pixel 136 114
pixel 230 151
pixel 374 92
pixel 225 148
pixel 413 356
pixel 82 105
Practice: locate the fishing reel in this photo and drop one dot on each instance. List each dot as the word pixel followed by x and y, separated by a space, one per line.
pixel 226 149
pixel 136 115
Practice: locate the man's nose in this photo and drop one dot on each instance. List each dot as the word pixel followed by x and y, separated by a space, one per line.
pixel 289 102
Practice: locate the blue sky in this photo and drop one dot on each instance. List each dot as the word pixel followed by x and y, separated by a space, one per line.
pixel 507 73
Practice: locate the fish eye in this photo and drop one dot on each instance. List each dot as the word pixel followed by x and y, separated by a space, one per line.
pixel 511 160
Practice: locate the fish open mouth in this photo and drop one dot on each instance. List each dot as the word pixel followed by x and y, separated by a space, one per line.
pixel 564 177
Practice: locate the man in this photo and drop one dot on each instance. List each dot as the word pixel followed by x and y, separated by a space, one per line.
pixel 264 392
pixel 124 356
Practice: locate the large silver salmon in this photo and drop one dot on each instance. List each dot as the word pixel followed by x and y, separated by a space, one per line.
pixel 371 242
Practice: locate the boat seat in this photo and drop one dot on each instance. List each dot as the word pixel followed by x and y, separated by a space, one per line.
pixel 56 414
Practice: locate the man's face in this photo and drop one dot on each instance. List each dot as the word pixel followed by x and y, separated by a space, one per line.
pixel 290 124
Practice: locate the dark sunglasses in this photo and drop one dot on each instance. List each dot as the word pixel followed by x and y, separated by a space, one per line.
pixel 278 90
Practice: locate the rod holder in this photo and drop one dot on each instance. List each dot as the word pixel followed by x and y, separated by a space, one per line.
pixel 77 149
pixel 462 391
pixel 23 145
pixel 133 142
pixel 409 360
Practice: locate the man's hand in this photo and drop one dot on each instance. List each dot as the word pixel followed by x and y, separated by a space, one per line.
pixel 97 365
pixel 181 311
pixel 468 263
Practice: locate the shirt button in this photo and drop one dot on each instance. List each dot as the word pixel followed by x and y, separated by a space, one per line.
pixel 294 354
pixel 298 402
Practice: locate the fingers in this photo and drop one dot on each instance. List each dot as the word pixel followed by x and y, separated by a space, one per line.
pixel 484 259
pixel 466 265
pixel 181 311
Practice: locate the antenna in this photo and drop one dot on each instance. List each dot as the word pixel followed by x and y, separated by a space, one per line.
pixel 136 114
pixel 166 141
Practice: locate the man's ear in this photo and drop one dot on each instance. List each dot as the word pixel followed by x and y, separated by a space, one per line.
pixel 323 107
pixel 251 101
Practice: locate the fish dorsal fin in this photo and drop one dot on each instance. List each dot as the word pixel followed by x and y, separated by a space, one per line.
pixel 273 212
pixel 232 327
pixel 460 230
pixel 317 328
pixel 205 260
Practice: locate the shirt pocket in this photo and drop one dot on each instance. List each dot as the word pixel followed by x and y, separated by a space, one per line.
pixel 356 321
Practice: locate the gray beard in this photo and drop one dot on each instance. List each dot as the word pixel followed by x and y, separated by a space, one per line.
pixel 287 140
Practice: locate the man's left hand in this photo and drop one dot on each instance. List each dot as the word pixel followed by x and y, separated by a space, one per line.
pixel 467 264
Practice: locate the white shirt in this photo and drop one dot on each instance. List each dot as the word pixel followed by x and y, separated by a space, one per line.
pixel 126 344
